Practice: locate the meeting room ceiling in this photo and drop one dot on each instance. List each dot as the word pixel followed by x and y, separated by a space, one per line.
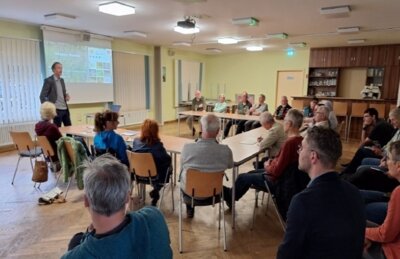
pixel 378 21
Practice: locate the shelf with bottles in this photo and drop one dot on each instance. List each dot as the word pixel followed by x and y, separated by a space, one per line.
pixel 375 76
pixel 323 72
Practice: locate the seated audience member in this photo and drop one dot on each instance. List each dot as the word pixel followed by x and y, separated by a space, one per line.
pixel 198 104
pixel 381 136
pixel 113 233
pixel 242 108
pixel 311 109
pixel 282 109
pixel 332 116
pixel 47 128
pixel 272 139
pixel 205 155
pixel 370 119
pixel 320 119
pixel 273 168
pixel 221 105
pixel 256 109
pixel 327 219
pixel 388 233
pixel 106 140
pixel 149 142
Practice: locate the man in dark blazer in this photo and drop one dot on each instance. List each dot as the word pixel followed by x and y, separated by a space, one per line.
pixel 327 219
pixel 54 91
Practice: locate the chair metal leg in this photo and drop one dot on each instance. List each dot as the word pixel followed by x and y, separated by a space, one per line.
pixel 180 222
pixel 262 198
pixel 223 219
pixel 16 169
pixel 276 208
pixel 69 183
pixel 172 196
pixel 254 209
pixel 58 177
pixel 219 215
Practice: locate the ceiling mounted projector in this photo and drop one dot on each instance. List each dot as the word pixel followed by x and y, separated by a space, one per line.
pixel 188 26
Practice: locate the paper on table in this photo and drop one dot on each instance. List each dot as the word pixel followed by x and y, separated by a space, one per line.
pixel 129 133
pixel 248 142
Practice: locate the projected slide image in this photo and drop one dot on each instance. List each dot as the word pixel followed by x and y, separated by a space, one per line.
pixel 81 64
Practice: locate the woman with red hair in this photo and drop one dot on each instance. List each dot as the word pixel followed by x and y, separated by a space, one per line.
pixel 149 142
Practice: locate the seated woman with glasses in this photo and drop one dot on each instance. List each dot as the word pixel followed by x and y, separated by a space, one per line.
pixel 149 142
pixel 106 139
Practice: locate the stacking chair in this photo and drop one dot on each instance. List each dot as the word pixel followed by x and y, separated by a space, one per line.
pixel 144 171
pixel 340 109
pixel 201 186
pixel 270 196
pixel 48 152
pixel 357 111
pixel 25 147
pixel 71 156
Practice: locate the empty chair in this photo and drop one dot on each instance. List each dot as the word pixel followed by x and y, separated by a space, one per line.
pixel 144 171
pixel 357 111
pixel 25 147
pixel 340 109
pixel 202 186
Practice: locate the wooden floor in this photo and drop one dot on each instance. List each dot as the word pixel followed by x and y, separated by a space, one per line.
pixel 28 230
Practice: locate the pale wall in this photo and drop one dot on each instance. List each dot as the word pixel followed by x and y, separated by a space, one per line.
pixel 168 88
pixel 254 72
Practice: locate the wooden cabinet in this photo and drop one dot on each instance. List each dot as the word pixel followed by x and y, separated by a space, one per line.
pixel 319 57
pixel 353 56
pixel 375 56
pixel 391 82
pixel 393 55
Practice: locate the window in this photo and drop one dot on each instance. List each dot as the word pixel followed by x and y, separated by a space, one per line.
pixel 188 79
pixel 20 80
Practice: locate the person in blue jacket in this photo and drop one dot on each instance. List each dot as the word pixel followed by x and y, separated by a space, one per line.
pixel 113 233
pixel 149 142
pixel 106 139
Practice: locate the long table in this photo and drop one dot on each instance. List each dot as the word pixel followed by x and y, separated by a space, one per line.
pixel 244 147
pixel 223 116
pixel 172 144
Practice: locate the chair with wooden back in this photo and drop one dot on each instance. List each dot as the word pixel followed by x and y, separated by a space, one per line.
pixel 144 170
pixel 47 150
pixel 340 109
pixel 357 111
pixel 200 186
pixel 25 147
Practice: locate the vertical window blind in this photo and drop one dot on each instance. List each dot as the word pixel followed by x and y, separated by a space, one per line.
pixel 188 79
pixel 20 80
pixel 131 81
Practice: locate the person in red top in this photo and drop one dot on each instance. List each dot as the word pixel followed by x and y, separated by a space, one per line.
pixel 47 128
pixel 274 168
pixel 388 234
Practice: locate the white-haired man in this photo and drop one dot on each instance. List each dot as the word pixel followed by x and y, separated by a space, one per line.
pixel 198 104
pixel 205 155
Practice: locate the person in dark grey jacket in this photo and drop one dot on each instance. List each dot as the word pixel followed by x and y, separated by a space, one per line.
pixel 327 219
pixel 54 91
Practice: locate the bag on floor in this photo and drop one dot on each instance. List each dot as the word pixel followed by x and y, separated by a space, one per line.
pixel 40 172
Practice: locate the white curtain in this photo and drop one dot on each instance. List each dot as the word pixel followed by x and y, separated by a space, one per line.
pixel 20 80
pixel 188 79
pixel 129 81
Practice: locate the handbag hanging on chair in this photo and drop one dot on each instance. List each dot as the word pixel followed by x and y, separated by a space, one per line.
pixel 40 171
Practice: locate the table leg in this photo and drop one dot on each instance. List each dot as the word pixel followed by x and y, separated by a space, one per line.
pixel 235 170
pixel 179 124
pixel 174 154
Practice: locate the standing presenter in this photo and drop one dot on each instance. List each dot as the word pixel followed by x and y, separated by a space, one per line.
pixel 54 91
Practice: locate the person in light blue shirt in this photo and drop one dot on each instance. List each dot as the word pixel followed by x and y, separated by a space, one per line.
pixel 113 233
pixel 221 105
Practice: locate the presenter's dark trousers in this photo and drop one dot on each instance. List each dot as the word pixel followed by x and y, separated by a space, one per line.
pixel 62 118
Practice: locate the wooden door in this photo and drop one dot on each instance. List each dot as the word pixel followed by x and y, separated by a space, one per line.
pixel 290 83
